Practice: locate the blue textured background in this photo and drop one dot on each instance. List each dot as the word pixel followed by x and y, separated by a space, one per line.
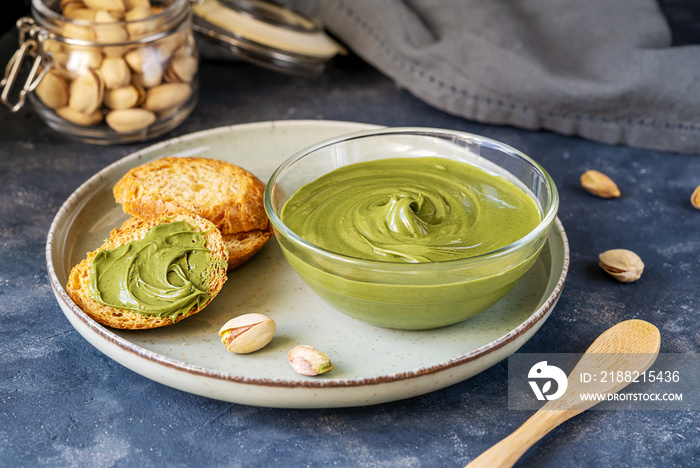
pixel 63 403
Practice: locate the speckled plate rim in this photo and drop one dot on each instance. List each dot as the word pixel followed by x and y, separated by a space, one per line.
pixel 75 199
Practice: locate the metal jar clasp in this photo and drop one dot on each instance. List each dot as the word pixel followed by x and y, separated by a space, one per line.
pixel 31 40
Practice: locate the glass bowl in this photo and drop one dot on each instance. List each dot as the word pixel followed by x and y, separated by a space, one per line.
pixel 412 296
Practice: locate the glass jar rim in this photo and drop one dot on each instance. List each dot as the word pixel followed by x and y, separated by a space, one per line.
pixel 174 15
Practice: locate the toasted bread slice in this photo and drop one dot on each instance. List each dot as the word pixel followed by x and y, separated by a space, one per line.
pixel 225 194
pixel 78 286
pixel 243 245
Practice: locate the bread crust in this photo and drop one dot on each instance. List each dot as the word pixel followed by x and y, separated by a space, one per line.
pixel 225 194
pixel 134 229
pixel 244 245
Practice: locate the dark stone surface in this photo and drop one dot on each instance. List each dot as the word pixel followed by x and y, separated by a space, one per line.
pixel 66 404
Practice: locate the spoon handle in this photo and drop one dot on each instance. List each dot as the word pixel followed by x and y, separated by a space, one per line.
pixel 506 452
pixel 631 345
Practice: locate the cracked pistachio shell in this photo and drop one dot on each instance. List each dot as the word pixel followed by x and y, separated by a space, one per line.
pixel 53 90
pixel 105 17
pixel 695 198
pixel 599 184
pixel 77 11
pixel 115 72
pixel 124 98
pixel 169 44
pixel 130 120
pixel 147 81
pixel 117 51
pixel 307 360
pixel 624 265
pixel 138 23
pixel 86 93
pixel 55 47
pixel 135 59
pixel 247 333
pixel 108 31
pixel 76 31
pixel 131 4
pixel 67 6
pixel 60 63
pixel 78 60
pixel 80 118
pixel 167 96
pixel 112 5
pixel 145 60
pixel 182 68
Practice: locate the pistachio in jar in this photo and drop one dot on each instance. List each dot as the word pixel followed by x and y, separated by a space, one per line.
pixel 53 90
pixel 115 55
pixel 86 93
pixel 124 97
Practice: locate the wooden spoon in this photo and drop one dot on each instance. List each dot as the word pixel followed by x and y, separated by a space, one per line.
pixel 631 346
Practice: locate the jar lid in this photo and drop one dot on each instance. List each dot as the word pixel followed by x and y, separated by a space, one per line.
pixel 267 34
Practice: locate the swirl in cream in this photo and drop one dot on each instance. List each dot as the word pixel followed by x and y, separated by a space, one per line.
pixel 411 209
pixel 163 274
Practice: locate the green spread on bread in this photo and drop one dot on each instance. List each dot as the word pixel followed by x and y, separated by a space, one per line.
pixel 165 274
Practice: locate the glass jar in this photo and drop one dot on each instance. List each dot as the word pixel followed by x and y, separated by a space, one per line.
pixel 108 71
pixel 266 34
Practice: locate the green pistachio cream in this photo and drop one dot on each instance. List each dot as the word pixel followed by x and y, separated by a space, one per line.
pixel 163 274
pixel 424 209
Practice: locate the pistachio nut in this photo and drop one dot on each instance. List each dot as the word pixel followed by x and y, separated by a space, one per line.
pixel 695 198
pixel 53 90
pixel 167 96
pixel 139 23
pixel 109 31
pixel 55 47
pixel 77 31
pixel 135 59
pixel 599 184
pixel 68 6
pixel 148 80
pixel 77 11
pixel 60 64
pixel 112 5
pixel 130 120
pixel 146 64
pixel 131 4
pixel 124 98
pixel 115 72
pixel 307 360
pixel 247 333
pixel 624 265
pixel 169 44
pixel 109 80
pixel 77 60
pixel 86 93
pixel 182 68
pixel 146 60
pixel 80 118
pixel 104 17
pixel 117 51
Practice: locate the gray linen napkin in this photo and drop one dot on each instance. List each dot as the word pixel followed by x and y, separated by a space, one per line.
pixel 600 69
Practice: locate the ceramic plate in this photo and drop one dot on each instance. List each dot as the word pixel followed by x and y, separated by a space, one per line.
pixel 372 364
